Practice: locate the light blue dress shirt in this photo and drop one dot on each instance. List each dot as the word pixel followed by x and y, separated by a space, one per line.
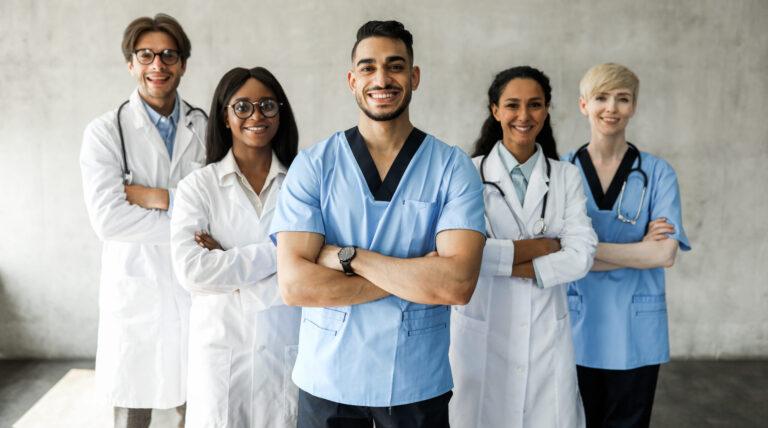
pixel 166 125
pixel 521 175
pixel 619 317
pixel 390 351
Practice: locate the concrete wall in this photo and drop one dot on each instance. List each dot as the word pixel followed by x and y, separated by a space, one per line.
pixel 703 106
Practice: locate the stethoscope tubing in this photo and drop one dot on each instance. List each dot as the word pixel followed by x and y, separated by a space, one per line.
pixel 540 224
pixel 127 174
pixel 639 169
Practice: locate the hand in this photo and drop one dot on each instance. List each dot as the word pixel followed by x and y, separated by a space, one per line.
pixel 147 197
pixel 551 245
pixel 206 241
pixel 329 257
pixel 658 230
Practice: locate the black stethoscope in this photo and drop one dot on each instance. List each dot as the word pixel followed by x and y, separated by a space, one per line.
pixel 639 169
pixel 127 174
pixel 540 226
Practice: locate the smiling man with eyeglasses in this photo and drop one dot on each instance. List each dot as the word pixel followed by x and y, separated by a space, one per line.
pixel 131 159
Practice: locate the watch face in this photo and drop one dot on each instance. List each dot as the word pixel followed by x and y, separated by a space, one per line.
pixel 346 253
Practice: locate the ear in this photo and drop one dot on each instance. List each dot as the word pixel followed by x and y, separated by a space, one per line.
pixel 351 80
pixel 226 121
pixel 583 106
pixel 130 66
pixel 183 67
pixel 495 112
pixel 415 77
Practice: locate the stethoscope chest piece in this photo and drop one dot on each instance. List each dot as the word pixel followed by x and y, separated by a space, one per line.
pixel 539 227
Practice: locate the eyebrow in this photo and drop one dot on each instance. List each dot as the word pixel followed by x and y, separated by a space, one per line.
pixel 387 60
pixel 530 99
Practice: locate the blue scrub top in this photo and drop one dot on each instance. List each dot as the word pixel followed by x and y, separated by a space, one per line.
pixel 391 351
pixel 619 317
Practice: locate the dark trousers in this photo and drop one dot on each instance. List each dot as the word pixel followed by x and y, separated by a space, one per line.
pixel 315 412
pixel 618 398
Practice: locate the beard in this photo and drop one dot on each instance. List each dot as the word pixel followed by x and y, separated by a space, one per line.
pixel 384 117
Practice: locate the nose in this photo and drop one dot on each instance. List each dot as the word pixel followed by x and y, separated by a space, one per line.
pixel 158 63
pixel 381 78
pixel 524 114
pixel 611 104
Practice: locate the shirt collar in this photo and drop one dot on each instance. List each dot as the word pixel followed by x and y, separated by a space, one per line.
pixel 155 117
pixel 228 170
pixel 510 162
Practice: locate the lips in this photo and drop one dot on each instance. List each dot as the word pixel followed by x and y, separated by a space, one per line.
pixel 158 79
pixel 383 96
pixel 522 128
pixel 255 129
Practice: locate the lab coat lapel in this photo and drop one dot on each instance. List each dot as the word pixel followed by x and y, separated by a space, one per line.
pixel 144 126
pixel 231 188
pixel 537 188
pixel 496 173
pixel 184 135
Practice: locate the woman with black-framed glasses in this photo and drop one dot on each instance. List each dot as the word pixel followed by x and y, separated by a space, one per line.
pixel 242 337
pixel 619 311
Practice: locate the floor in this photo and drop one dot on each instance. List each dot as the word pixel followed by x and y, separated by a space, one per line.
pixel 689 393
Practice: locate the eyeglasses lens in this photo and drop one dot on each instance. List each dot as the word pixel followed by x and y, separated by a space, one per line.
pixel 167 56
pixel 244 109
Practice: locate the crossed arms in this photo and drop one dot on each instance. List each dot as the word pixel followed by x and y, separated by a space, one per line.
pixel 309 273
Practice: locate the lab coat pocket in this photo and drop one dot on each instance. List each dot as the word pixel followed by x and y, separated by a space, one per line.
pixel 136 304
pixel 208 388
pixel 290 391
pixel 649 326
pixel 468 360
pixel 418 222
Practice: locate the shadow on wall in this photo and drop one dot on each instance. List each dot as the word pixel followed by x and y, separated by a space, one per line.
pixel 14 342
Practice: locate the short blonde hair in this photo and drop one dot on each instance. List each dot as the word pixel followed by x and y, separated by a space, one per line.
pixel 608 77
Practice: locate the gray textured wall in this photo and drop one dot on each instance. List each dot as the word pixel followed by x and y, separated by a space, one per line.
pixel 703 106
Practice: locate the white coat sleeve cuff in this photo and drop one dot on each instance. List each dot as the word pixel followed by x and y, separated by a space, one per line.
pixel 498 256
pixel 171 193
pixel 541 266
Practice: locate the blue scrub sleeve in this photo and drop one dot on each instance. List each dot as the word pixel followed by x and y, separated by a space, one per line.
pixel 463 207
pixel 298 204
pixel 665 201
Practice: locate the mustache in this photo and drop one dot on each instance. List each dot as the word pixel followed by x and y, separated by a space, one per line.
pixel 383 88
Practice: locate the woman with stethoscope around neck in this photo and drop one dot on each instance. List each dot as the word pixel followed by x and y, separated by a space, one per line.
pixel 618 311
pixel 511 349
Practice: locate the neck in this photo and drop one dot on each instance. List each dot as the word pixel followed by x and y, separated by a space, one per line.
pixel 252 160
pixel 164 106
pixel 384 135
pixel 521 152
pixel 607 147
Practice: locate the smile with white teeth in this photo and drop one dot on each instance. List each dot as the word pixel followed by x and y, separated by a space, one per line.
pixel 611 120
pixel 257 129
pixel 382 95
pixel 523 128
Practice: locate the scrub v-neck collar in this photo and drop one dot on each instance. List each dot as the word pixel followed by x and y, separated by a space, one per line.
pixel 383 190
pixel 605 201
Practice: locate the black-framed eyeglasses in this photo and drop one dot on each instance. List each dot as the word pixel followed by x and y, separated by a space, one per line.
pixel 146 56
pixel 269 107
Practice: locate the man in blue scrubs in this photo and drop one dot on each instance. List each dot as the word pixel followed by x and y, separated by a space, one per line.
pixel 378 229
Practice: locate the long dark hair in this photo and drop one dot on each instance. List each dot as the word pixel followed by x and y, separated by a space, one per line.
pixel 218 137
pixel 490 133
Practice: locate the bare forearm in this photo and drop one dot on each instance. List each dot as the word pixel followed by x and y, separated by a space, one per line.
pixel 428 280
pixel 528 249
pixel 524 270
pixel 639 255
pixel 311 285
pixel 601 266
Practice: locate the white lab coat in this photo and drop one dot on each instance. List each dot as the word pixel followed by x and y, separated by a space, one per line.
pixel 511 347
pixel 143 312
pixel 243 339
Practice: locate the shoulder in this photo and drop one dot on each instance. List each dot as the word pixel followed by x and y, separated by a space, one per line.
pixel 324 149
pixel 104 123
pixel 564 167
pixel 199 178
pixel 567 156
pixel 656 166
pixel 445 154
